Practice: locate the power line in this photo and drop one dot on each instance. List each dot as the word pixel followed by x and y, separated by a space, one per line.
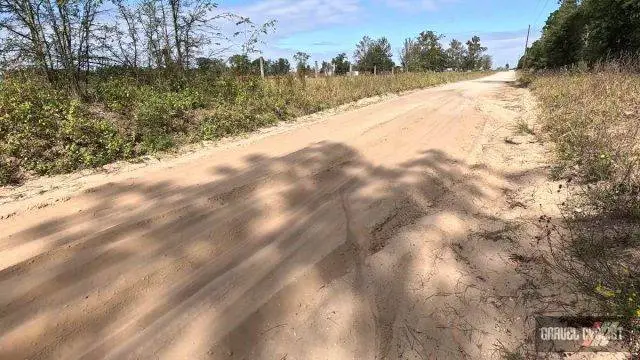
pixel 535 9
pixel 541 11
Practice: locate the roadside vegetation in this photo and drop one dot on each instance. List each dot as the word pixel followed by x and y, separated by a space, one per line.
pixel 44 130
pixel 593 119
pixel 584 71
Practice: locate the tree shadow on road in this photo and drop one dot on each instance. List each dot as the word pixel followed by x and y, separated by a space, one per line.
pixel 314 253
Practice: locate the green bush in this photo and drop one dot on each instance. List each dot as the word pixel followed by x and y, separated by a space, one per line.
pixel 50 133
pixel 127 114
pixel 117 94
pixel 228 121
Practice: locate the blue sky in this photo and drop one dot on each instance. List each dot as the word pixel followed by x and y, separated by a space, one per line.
pixel 324 28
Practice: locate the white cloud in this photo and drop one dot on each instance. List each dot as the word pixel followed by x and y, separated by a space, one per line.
pixel 304 15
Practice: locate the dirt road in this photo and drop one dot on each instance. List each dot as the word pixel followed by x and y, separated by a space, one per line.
pixel 380 232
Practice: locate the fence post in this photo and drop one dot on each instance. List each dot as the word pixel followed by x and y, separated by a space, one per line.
pixel 261 67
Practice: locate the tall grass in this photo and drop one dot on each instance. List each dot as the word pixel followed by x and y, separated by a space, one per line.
pixel 593 119
pixel 45 131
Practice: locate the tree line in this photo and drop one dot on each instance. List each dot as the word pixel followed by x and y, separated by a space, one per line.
pixel 242 65
pixel 425 53
pixel 587 31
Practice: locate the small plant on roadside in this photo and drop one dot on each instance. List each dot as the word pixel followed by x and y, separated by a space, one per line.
pixel 522 127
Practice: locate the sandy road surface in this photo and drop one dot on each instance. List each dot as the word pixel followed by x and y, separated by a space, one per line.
pixel 349 238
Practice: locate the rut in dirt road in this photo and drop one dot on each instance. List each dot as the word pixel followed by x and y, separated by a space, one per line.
pixel 329 241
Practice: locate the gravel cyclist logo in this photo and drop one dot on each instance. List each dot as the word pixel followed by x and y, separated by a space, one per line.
pixel 573 334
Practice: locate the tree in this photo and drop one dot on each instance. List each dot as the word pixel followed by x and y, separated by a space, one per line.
pixel 426 53
pixel 475 51
pixel 302 65
pixel 589 30
pixel 373 54
pixel 66 39
pixel 612 28
pixel 326 68
pixel 122 43
pixel 177 31
pixel 280 67
pixel 215 66
pixel 51 35
pixel 255 66
pixel 410 56
pixel 486 63
pixel 341 63
pixel 456 55
pixel 534 58
pixel 240 64
pixel 431 56
pixel 562 35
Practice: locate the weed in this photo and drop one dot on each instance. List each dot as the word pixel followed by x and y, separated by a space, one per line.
pixel 522 127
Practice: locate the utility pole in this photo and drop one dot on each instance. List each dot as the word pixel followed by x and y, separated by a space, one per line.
pixel 526 46
pixel 261 67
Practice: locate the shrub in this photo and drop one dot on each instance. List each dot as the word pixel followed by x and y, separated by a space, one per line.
pixel 525 78
pixel 117 94
pixel 228 121
pixel 159 113
pixel 44 130
pixel 50 133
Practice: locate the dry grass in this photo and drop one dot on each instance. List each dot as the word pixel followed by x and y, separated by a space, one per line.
pixel 593 120
pixel 314 94
pixel 521 127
